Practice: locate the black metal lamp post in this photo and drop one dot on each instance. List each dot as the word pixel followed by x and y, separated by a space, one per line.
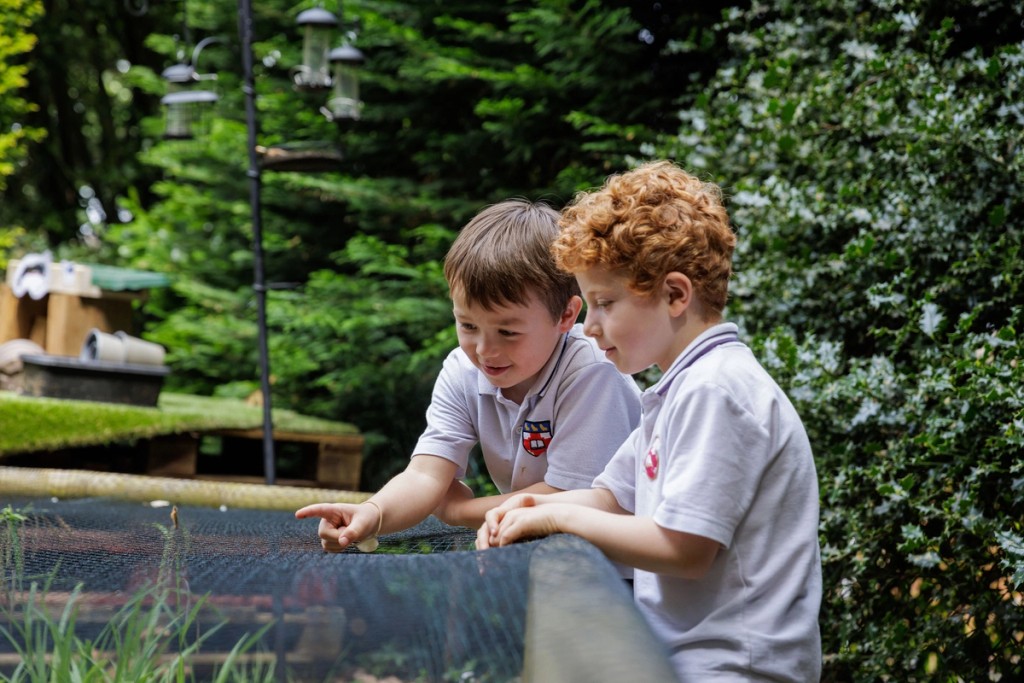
pixel 312 74
pixel 259 278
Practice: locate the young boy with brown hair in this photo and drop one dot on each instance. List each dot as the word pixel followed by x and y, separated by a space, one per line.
pixel 525 384
pixel 714 498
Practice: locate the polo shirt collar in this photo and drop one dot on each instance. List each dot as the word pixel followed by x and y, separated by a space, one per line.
pixel 721 333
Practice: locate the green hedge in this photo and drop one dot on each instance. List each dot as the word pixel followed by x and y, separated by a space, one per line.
pixel 871 157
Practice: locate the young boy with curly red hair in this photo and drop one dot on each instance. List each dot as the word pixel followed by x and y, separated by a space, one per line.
pixel 714 497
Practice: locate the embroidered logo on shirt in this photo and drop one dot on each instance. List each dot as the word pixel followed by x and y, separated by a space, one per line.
pixel 651 461
pixel 536 437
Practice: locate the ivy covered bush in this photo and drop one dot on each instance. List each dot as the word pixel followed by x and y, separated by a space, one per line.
pixel 871 157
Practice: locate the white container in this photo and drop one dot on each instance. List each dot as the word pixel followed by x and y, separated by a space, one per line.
pixel 103 346
pixel 140 351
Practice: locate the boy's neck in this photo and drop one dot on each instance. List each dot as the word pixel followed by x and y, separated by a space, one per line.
pixel 700 328
pixel 691 326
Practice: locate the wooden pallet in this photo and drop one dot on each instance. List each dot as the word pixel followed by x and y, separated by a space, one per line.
pixel 334 460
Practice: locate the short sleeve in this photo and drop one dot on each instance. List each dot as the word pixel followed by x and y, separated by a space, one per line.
pixel 451 431
pixel 715 453
pixel 619 476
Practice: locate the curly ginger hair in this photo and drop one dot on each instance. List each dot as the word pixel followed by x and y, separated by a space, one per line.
pixel 648 222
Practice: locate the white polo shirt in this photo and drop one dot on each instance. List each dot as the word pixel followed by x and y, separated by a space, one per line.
pixel 564 432
pixel 722 453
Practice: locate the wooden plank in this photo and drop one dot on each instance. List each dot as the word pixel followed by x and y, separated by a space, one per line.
pixel 10 323
pixel 338 465
pixel 59 322
pixel 354 441
pixel 38 333
pixel 339 457
pixel 18 316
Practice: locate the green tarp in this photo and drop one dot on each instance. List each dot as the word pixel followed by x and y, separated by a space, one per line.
pixel 126 279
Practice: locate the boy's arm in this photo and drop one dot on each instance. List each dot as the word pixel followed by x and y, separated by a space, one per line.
pixel 403 502
pixel 635 541
pixel 411 496
pixel 460 508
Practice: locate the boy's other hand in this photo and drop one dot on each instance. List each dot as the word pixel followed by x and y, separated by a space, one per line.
pixel 530 523
pixel 487 535
pixel 341 524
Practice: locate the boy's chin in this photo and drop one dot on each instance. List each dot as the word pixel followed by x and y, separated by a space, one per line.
pixel 498 384
pixel 513 391
pixel 621 365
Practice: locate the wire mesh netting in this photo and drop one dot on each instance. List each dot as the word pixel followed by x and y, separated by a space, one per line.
pixel 251 589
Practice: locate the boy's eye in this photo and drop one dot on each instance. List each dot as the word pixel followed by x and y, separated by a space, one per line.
pixel 469 327
pixel 507 333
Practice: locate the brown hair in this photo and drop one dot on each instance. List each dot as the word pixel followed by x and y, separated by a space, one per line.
pixel 504 254
pixel 649 222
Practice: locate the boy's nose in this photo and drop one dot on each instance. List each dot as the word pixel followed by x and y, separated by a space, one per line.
pixel 485 348
pixel 590 326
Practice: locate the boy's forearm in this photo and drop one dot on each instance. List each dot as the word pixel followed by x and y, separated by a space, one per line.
pixel 597 498
pixel 595 515
pixel 640 542
pixel 470 512
pixel 409 497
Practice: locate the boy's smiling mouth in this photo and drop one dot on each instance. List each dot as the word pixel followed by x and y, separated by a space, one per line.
pixel 494 370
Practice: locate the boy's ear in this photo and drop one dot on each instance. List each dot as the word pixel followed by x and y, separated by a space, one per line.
pixel 570 314
pixel 679 291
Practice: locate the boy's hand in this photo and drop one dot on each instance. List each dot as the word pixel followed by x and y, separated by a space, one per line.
pixel 341 524
pixel 493 532
pixel 448 510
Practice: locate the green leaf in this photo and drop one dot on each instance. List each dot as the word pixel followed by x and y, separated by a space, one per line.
pixel 997 216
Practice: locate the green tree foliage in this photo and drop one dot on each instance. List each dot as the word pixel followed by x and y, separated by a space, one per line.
pixel 16 17
pixel 467 103
pixel 871 155
pixel 77 92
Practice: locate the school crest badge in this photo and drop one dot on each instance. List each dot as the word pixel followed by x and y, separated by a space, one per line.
pixel 536 437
